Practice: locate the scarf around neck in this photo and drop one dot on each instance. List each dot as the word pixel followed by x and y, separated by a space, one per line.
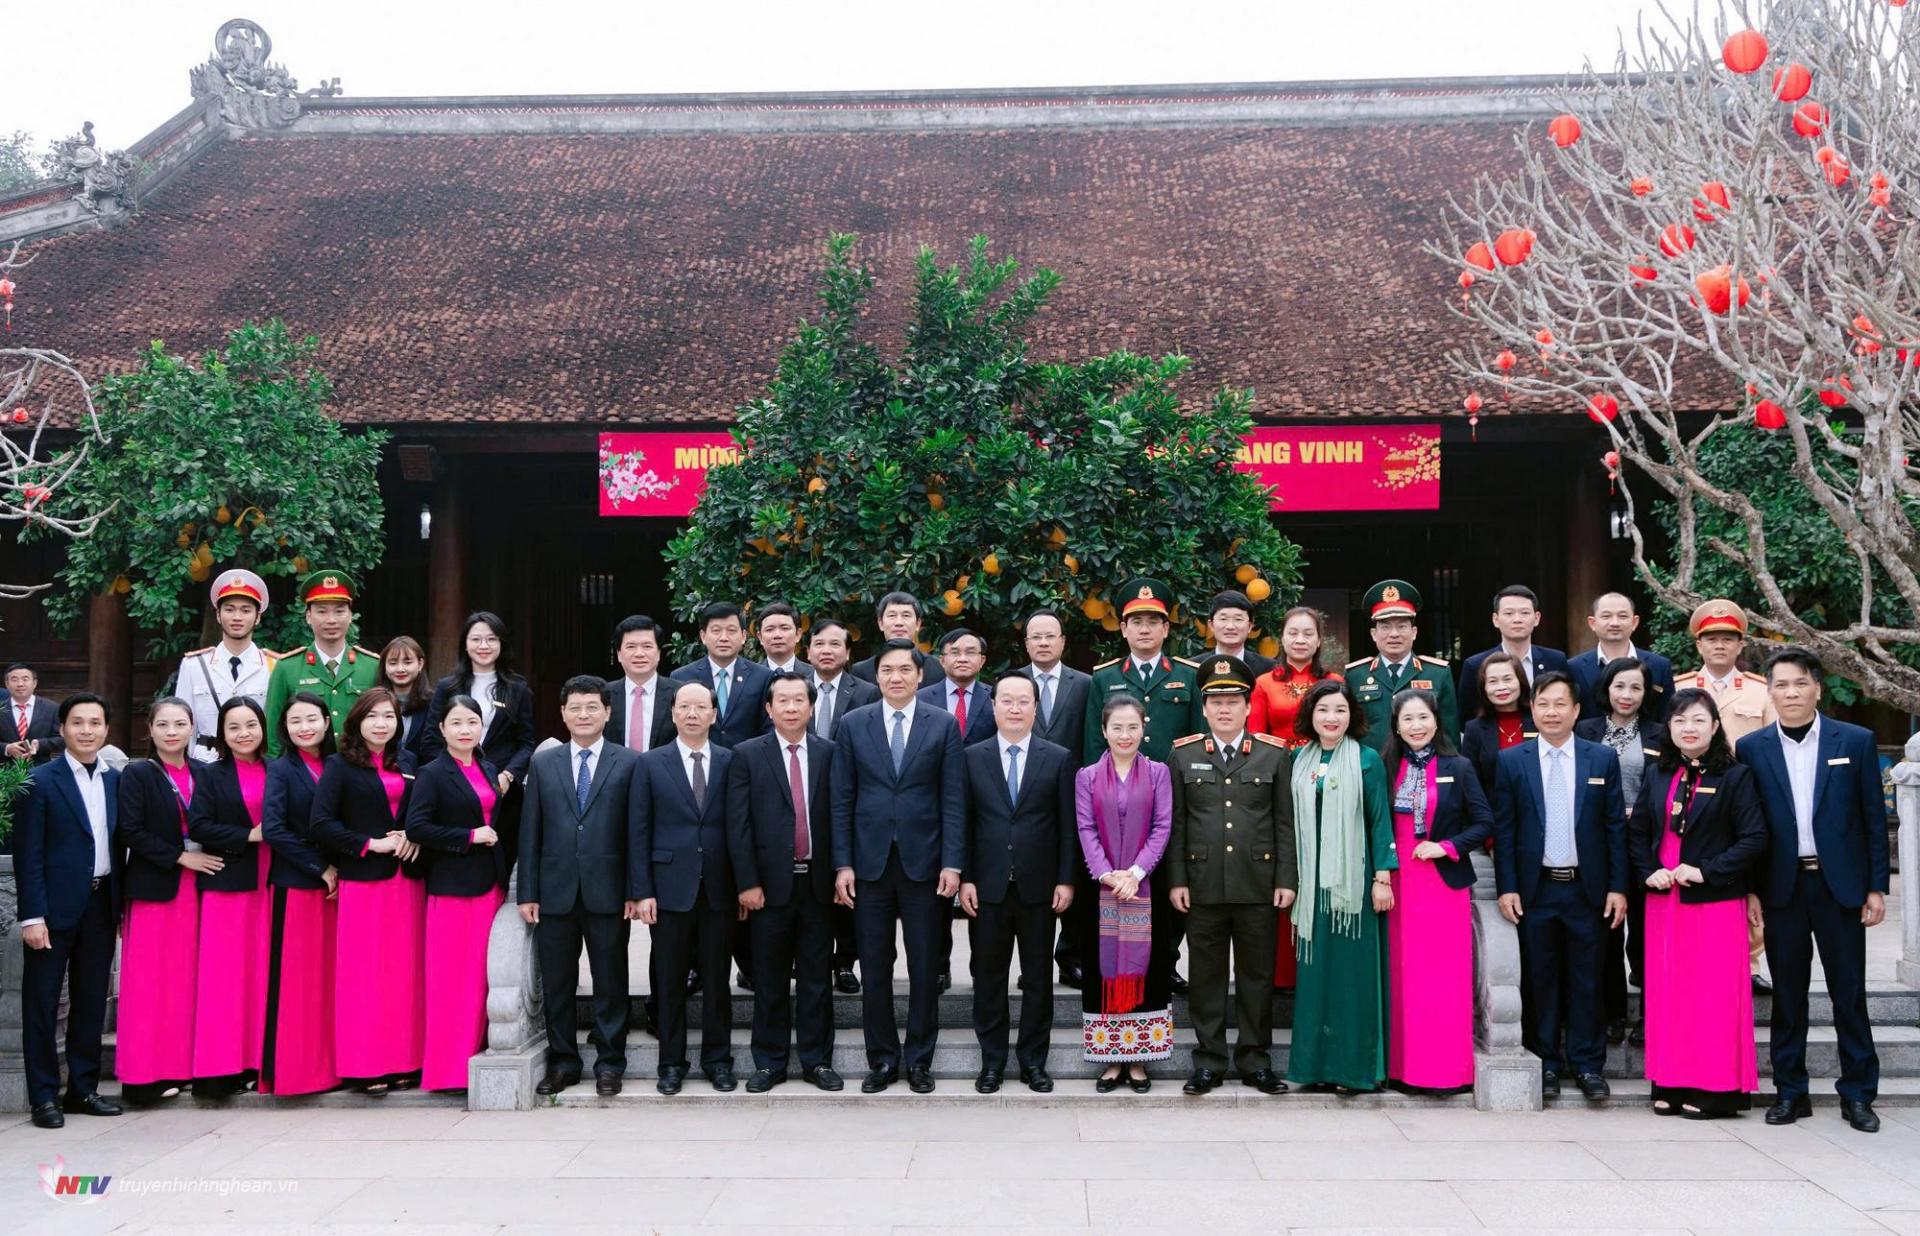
pixel 1340 875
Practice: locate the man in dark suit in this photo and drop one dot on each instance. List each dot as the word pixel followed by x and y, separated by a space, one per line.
pixel 777 628
pixel 739 686
pixel 1823 883
pixel 1560 863
pixel 30 726
pixel 1516 612
pixel 837 693
pixel 637 694
pixel 1613 623
pixel 1022 848
pixel 573 884
pixel 1230 617
pixel 677 840
pixel 963 655
pixel 68 869
pixel 780 838
pixel 1061 721
pixel 898 617
pixel 899 842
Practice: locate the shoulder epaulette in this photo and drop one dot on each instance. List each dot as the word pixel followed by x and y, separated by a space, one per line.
pixel 201 652
pixel 1181 742
pixel 1269 739
pixel 1432 660
pixel 1187 663
pixel 1361 661
pixel 1104 664
pixel 291 652
pixel 366 651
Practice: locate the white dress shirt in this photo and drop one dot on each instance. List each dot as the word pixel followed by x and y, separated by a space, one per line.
pixel 93 796
pixel 792 666
pixel 887 712
pixel 1546 752
pixel 806 773
pixel 482 692
pixel 826 699
pixel 593 760
pixel 649 692
pixel 1026 754
pixel 1398 667
pixel 954 692
pixel 1524 657
pixel 706 761
pixel 1136 667
pixel 1803 766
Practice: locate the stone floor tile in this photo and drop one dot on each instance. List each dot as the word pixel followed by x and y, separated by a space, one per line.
pixel 1563 1204
pixel 1404 1160
pixel 1173 1161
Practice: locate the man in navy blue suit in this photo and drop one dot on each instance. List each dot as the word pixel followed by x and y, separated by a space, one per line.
pixel 963 654
pixel 739 686
pixel 899 842
pixel 69 878
pixel 1516 612
pixel 1613 623
pixel 677 858
pixel 1824 881
pixel 1560 863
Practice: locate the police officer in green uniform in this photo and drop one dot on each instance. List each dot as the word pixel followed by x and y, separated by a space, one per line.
pixel 1166 686
pixel 1230 870
pixel 329 667
pixel 1393 607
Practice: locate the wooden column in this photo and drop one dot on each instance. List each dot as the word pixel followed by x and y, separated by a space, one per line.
pixel 446 566
pixel 110 663
pixel 1585 518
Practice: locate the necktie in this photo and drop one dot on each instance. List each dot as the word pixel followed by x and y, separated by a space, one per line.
pixel 960 709
pixel 20 726
pixel 1046 700
pixel 584 782
pixel 823 715
pixel 1226 754
pixel 1146 671
pixel 699 779
pixel 1559 839
pixel 899 742
pixel 333 666
pixel 721 682
pixel 637 721
pixel 233 663
pixel 802 839
pixel 1013 774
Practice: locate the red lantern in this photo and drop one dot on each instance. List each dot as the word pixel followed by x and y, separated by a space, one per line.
pixel 1512 246
pixel 1564 130
pixel 1466 280
pixel 1833 165
pixel 19 416
pixel 1834 393
pixel 1471 403
pixel 1880 198
pixel 1769 415
pixel 1612 461
pixel 1544 338
pixel 1809 119
pixel 1480 255
pixel 1640 270
pixel 1716 192
pixel 1506 361
pixel 1602 408
pixel 1790 84
pixel 1719 290
pixel 1676 239
pixel 1745 51
pixel 6 300
pixel 1641 185
pixel 1869 342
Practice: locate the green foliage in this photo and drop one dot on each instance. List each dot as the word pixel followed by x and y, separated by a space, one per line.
pixel 231 461
pixel 859 476
pixel 1806 553
pixel 14 775
pixel 19 165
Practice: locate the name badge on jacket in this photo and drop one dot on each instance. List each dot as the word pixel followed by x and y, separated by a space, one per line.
pixel 1838 760
pixel 1596 780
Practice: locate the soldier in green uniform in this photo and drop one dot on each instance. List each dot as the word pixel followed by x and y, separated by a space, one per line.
pixel 1393 607
pixel 1230 870
pixel 1165 686
pixel 329 667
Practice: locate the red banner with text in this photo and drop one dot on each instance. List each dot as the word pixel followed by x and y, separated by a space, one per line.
pixel 1334 468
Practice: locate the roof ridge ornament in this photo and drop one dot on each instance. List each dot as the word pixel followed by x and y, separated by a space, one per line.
pixel 254 92
pixel 106 176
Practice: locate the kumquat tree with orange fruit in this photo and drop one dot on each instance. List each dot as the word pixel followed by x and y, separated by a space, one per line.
pixel 986 482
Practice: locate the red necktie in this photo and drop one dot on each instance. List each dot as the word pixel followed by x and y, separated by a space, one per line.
pixel 960 709
pixel 802 839
pixel 20 727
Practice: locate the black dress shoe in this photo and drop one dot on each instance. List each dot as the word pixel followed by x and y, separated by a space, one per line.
pixel 1593 1085
pixel 1266 1081
pixel 1617 1031
pixel 1637 1037
pixel 1786 1111
pixel 694 982
pixel 95 1104
pixel 672 1077
pixel 846 982
pixel 555 1081
pixel 722 1079
pixel 1070 977
pixel 878 1080
pixel 1762 985
pixel 1037 1080
pixel 1202 1081
pixel 763 1080
pixel 606 1083
pixel 988 1082
pixel 1550 1085
pixel 743 980
pixel 47 1116
pixel 1860 1116
pixel 1177 985
pixel 822 1077
pixel 920 1080
pixel 945 981
pixel 1107 1085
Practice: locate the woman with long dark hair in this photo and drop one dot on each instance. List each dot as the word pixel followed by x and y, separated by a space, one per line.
pixel 1506 715
pixel 298 1055
pixel 236 924
pixel 403 671
pixel 359 811
pixel 485 675
pixel 160 936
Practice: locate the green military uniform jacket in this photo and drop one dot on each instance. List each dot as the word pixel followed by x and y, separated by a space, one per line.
pixel 1232 841
pixel 1171 696
pixel 303 670
pixel 1375 685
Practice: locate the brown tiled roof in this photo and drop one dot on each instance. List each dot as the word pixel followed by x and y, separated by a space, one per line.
pixel 625 279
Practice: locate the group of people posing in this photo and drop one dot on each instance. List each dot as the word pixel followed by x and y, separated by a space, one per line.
pixel 305 871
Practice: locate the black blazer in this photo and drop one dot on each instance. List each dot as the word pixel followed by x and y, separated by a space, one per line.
pixel 286 821
pixel 921 810
pixel 1849 813
pixel 217 819
pixel 1544 659
pixel 1032 842
pixel 675 849
pixel 53 855
pixel 931 671
pixel 350 809
pixel 442 813
pixel 567 856
pixel 1726 834
pixel 43 723
pixel 1586 668
pixel 1599 821
pixel 980 723
pixel 760 818
pixel 1480 745
pixel 617 701
pixel 414 743
pixel 148 828
pixel 1069 720
pixel 1459 814
pixel 849 692
pixel 746 698
pixel 509 741
pixel 1652 735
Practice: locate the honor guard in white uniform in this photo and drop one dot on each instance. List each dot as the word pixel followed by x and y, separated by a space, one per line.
pixel 235 666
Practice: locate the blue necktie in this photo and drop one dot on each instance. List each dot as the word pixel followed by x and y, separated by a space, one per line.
pixel 720 684
pixel 899 743
pixel 1046 700
pixel 583 783
pixel 1013 774
pixel 1559 847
